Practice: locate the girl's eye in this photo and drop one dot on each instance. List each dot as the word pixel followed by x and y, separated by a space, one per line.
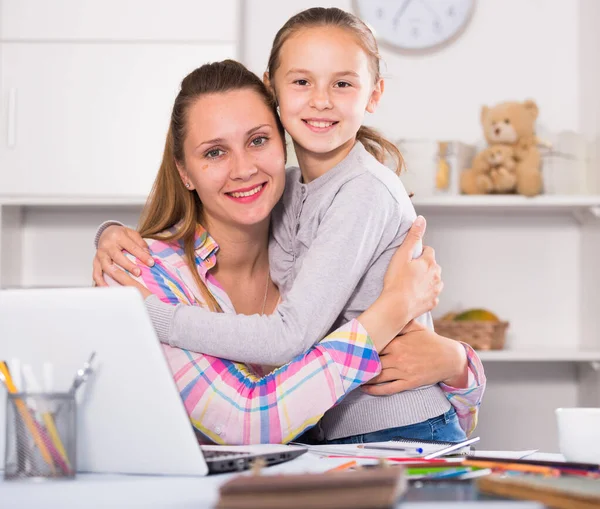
pixel 343 84
pixel 259 141
pixel 301 82
pixel 214 153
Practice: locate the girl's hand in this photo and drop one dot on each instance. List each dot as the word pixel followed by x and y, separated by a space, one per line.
pixel 112 242
pixel 415 283
pixel 410 288
pixel 419 357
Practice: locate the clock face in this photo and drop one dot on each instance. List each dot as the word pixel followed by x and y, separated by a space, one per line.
pixel 414 24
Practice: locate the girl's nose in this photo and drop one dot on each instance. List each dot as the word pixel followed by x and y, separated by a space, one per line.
pixel 320 99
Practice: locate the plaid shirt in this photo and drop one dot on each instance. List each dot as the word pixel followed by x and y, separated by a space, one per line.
pixel 226 401
pixel 233 403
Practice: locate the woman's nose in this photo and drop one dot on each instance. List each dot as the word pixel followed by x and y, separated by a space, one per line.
pixel 243 167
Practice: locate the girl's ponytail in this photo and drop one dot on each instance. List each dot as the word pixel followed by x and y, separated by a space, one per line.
pixel 380 148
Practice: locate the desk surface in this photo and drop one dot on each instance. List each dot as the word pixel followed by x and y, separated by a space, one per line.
pixel 151 492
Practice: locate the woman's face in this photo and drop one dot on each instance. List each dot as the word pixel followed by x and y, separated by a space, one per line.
pixel 234 157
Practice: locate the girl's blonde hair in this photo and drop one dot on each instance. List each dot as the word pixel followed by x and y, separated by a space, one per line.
pixel 374 142
pixel 170 203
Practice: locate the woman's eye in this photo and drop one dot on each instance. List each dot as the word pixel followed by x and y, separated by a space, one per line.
pixel 301 82
pixel 343 84
pixel 259 141
pixel 214 153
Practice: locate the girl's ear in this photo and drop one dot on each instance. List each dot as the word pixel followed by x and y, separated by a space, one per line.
pixel 375 96
pixel 184 177
pixel 267 81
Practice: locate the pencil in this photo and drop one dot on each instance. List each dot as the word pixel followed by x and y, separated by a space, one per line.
pixel 34 386
pixel 26 416
pixel 343 466
pixel 517 467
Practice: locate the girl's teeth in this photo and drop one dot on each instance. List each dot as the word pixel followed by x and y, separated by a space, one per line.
pixel 319 124
pixel 247 193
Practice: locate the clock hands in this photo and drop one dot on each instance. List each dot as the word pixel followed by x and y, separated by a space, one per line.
pixel 400 12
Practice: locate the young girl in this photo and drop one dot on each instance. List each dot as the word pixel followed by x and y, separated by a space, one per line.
pixel 342 216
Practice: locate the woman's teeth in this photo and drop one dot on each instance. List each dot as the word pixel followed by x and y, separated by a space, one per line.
pixel 247 193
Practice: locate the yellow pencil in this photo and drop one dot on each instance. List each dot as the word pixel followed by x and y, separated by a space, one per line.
pixel 26 416
pixel 34 386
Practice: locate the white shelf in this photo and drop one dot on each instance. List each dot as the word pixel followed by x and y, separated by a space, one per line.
pixel 76 201
pixel 489 202
pixel 568 203
pixel 541 355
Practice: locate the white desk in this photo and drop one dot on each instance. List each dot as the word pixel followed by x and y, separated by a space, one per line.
pixel 149 492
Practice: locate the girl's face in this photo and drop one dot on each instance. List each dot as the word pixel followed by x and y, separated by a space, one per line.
pixel 324 86
pixel 234 157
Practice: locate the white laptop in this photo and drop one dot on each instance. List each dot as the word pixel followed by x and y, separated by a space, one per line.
pixel 130 417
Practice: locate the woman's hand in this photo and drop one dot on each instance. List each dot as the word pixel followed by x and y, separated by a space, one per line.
pixel 112 242
pixel 416 283
pixel 419 357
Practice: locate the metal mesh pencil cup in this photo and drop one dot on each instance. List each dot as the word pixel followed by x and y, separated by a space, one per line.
pixel 40 436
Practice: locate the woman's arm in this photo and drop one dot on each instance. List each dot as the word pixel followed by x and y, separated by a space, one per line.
pixel 229 405
pixel 422 357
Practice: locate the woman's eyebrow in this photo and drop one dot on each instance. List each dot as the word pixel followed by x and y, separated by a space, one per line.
pixel 257 128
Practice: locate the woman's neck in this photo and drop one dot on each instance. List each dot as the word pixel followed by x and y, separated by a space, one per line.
pixel 243 250
pixel 314 165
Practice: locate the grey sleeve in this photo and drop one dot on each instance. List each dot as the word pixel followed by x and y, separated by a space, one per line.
pixel 349 239
pixel 102 228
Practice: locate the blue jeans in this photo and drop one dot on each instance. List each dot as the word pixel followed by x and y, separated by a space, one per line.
pixel 443 428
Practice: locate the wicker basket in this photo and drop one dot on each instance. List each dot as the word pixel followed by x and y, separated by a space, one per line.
pixel 481 335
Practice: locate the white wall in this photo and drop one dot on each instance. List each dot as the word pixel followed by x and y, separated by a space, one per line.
pixel 511 50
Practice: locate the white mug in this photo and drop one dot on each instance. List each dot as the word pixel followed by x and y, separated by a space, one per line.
pixel 579 434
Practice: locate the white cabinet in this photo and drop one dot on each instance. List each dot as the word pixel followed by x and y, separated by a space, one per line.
pixel 89 119
pixel 119 20
pixel 86 88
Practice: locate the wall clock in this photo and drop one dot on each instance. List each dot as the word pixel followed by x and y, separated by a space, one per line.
pixel 415 25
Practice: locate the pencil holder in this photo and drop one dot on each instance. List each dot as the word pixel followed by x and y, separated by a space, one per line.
pixel 40 436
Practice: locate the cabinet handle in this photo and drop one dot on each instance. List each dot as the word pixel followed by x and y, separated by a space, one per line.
pixel 12 117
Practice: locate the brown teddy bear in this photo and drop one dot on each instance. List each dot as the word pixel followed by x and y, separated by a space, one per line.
pixel 511 124
pixel 503 172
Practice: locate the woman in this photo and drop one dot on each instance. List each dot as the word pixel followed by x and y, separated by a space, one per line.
pixel 222 172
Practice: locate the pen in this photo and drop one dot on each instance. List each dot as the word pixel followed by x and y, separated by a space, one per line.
pixel 451 448
pixel 418 450
pixel 82 374
pixel 26 416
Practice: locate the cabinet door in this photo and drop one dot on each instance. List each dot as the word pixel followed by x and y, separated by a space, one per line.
pixel 89 119
pixel 119 20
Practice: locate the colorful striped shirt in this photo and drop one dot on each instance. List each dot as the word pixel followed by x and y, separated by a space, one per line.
pixel 232 403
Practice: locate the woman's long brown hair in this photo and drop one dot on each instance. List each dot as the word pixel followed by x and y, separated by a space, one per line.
pixel 170 203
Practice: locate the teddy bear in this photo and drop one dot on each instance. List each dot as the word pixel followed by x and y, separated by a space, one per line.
pixel 503 167
pixel 511 124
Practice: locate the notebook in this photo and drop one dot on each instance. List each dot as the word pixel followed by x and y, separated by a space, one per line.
pixel 391 449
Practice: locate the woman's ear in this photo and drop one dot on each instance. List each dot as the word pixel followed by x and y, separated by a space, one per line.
pixel 184 177
pixel 375 96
